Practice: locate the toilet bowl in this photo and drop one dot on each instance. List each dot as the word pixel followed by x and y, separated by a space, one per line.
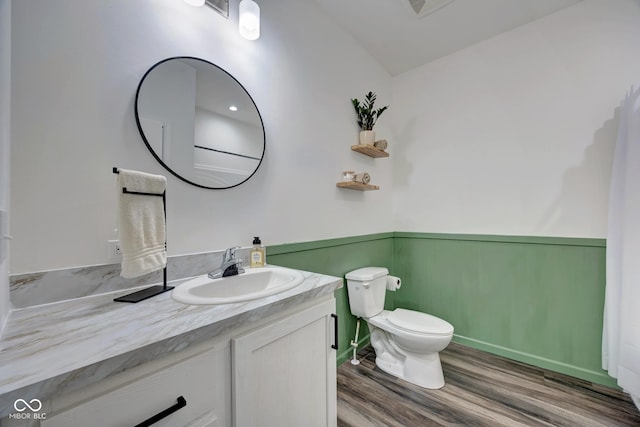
pixel 406 342
pixel 411 350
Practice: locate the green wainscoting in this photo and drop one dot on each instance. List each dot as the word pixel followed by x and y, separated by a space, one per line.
pixel 337 257
pixel 538 300
pixel 533 299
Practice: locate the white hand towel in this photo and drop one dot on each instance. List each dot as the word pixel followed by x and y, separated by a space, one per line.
pixel 141 223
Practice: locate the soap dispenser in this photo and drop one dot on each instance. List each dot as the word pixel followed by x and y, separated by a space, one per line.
pixel 258 253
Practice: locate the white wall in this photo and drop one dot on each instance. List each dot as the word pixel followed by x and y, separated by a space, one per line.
pixel 76 66
pixel 514 135
pixel 511 136
pixel 5 152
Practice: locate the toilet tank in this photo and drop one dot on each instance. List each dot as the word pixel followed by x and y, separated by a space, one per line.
pixel 366 288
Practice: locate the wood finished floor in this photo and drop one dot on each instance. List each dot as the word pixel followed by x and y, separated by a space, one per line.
pixel 481 390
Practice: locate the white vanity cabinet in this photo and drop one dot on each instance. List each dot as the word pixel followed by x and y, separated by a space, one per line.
pixel 203 381
pixel 278 371
pixel 284 373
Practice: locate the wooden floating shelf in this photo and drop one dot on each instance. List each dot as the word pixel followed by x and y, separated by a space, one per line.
pixel 370 150
pixel 355 185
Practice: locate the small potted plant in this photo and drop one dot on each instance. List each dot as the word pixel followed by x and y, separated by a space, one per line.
pixel 367 117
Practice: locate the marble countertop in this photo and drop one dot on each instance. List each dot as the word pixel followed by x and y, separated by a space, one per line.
pixel 63 346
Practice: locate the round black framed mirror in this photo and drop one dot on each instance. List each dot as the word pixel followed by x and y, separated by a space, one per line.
pixel 200 123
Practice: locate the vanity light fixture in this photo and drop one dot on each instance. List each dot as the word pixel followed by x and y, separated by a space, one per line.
pixel 249 22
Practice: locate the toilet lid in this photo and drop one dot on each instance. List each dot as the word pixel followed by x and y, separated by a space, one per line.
pixel 419 322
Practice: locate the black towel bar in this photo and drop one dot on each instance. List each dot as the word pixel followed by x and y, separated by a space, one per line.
pixel 138 193
pixel 152 290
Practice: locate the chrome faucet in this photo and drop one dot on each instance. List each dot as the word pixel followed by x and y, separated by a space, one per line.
pixel 230 265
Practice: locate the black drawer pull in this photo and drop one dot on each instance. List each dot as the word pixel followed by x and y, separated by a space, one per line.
pixel 335 332
pixel 182 402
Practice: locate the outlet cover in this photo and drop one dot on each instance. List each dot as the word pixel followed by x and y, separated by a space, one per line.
pixel 113 251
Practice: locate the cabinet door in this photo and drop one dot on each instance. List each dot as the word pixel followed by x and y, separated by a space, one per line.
pixel 203 381
pixel 284 374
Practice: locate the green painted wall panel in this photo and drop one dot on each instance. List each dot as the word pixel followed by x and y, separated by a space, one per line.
pixel 528 300
pixel 337 257
pixel 538 300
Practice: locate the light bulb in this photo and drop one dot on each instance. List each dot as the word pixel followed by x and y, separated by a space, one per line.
pixel 249 22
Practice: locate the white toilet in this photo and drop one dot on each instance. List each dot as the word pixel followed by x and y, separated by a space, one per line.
pixel 406 342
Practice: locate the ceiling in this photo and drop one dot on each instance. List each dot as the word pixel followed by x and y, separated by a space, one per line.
pixel 392 32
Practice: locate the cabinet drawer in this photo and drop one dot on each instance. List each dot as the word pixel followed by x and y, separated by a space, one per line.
pixel 202 380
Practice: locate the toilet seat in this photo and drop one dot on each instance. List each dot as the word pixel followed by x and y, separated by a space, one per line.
pixel 417 322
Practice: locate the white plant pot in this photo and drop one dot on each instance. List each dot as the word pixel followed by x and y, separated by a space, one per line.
pixel 367 137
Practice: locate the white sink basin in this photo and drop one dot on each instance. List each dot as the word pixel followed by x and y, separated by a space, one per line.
pixel 254 283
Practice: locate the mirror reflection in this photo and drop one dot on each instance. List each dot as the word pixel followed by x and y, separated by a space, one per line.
pixel 200 123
